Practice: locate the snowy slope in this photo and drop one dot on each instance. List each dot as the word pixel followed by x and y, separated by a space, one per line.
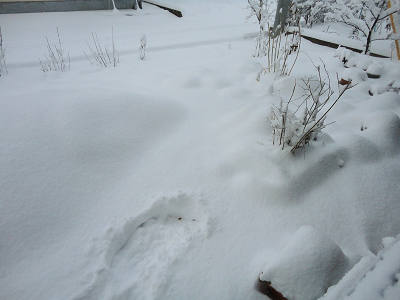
pixel 158 179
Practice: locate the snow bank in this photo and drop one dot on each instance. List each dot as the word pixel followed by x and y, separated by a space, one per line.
pixel 306 266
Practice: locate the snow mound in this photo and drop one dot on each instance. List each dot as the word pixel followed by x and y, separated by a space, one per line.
pixel 353 74
pixel 384 131
pixel 350 58
pixel 135 258
pixel 346 56
pixel 306 266
pixel 375 68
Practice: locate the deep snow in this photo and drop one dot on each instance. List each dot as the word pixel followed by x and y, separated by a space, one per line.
pixel 158 179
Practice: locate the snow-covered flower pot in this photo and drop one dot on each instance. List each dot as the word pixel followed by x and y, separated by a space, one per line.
pixel 306 267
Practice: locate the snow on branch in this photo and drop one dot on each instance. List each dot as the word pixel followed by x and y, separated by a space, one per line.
pixel 365 17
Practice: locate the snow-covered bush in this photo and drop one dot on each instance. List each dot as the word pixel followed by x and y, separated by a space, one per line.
pixel 312 11
pixel 285 125
pixel 301 118
pixel 56 59
pixel 3 65
pixel 142 47
pixel 102 55
pixel 365 17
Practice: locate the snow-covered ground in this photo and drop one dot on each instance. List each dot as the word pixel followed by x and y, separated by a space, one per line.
pixel 158 179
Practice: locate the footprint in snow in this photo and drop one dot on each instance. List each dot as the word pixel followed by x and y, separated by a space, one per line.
pixel 136 257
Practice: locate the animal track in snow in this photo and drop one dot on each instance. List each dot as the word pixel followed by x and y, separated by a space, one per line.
pixel 136 257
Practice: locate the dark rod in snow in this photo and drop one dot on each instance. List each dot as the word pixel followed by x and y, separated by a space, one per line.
pixel 175 12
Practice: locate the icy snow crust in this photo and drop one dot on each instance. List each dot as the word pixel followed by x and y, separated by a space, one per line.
pixel 104 170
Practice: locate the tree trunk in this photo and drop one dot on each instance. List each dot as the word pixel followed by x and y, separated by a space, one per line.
pixel 368 42
pixel 369 37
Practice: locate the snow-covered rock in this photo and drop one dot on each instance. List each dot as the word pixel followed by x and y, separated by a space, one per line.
pixel 345 56
pixel 375 69
pixel 307 266
pixel 353 74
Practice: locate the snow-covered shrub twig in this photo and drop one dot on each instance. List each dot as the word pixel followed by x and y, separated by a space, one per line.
pixel 284 122
pixel 101 55
pixel 3 65
pixel 279 60
pixel 276 46
pixel 300 120
pixel 57 59
pixel 280 48
pixel 142 47
pixel 311 11
pixel 262 10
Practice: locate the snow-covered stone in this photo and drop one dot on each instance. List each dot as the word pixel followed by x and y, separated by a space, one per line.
pixel 375 70
pixel 307 266
pixel 353 74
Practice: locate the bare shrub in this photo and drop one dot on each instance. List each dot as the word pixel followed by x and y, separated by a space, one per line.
pixel 262 11
pixel 274 46
pixel 279 49
pixel 142 47
pixel 56 59
pixel 297 121
pixel 101 55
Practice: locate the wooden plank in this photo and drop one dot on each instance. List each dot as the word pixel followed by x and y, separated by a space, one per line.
pixel 335 46
pixel 322 42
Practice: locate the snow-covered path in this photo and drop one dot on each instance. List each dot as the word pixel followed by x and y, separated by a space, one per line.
pixel 157 179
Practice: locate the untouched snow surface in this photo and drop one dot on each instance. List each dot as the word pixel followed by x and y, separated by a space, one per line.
pixel 158 179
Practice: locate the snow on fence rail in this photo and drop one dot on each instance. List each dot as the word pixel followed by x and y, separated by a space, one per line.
pixel 326 41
